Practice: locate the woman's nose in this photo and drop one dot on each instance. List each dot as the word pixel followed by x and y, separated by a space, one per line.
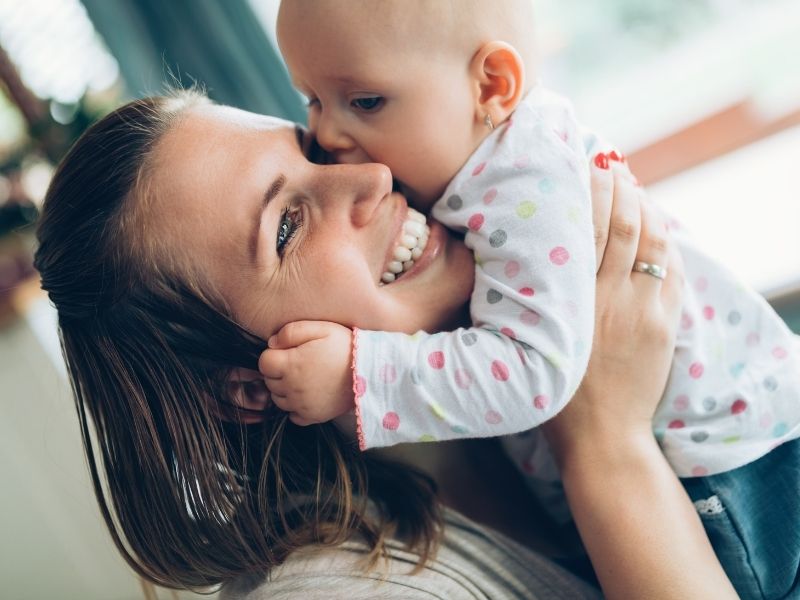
pixel 359 189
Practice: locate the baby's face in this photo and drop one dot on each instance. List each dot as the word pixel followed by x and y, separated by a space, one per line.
pixel 377 93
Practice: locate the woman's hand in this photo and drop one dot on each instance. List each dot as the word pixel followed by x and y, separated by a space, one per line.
pixel 640 529
pixel 636 317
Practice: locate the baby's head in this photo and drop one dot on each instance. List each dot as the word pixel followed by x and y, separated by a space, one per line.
pixel 408 83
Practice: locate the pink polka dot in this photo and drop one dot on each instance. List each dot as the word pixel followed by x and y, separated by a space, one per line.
pixel 676 424
pixel 360 386
pixel 508 332
pixel 701 284
pixel 463 379
pixel 436 359
pixel 738 407
pixel 391 421
pixel 522 162
pixel 541 402
pixel 765 421
pixel 475 222
pixel 479 169
pixel 388 374
pixel 753 339
pixel 512 269
pixel 708 312
pixel 521 355
pixel 696 370
pixel 779 352
pixel 489 196
pixel 572 308
pixel 527 291
pixel 499 370
pixel 559 256
pixel 681 402
pixel 530 317
pixel 699 471
pixel 493 417
pixel 687 322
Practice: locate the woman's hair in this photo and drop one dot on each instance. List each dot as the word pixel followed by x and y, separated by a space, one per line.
pixel 191 498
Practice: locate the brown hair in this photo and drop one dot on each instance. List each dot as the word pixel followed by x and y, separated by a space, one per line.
pixel 191 500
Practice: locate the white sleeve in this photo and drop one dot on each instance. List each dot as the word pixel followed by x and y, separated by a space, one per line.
pixel 523 201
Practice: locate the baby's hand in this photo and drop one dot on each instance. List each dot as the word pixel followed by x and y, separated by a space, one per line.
pixel 307 368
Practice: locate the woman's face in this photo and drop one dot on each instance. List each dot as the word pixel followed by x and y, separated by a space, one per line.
pixel 284 239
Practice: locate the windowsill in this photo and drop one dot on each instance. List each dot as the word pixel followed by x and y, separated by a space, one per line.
pixel 743 208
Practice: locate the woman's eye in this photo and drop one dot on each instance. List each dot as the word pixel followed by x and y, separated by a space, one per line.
pixel 288 225
pixel 368 103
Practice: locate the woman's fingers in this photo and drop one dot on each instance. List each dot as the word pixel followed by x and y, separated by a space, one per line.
pixel 624 227
pixel 602 200
pixel 652 255
pixel 672 288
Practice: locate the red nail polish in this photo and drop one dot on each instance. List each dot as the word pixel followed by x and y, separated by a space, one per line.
pixel 601 160
pixel 614 156
pixel 623 158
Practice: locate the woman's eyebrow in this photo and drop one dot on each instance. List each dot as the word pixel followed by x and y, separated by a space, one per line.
pixel 273 190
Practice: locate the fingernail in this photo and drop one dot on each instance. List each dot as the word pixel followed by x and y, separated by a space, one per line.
pixel 614 156
pixel 601 160
pixel 271 341
pixel 623 158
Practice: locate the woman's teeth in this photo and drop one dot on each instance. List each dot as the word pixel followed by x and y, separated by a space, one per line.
pixel 409 248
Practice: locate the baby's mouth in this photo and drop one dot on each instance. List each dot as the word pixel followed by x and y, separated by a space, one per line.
pixel 409 247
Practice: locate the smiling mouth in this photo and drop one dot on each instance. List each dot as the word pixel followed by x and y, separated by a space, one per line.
pixel 409 247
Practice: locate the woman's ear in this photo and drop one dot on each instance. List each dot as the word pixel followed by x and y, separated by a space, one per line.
pixel 499 72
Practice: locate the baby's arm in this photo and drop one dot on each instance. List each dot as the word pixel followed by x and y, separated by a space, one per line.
pixel 525 206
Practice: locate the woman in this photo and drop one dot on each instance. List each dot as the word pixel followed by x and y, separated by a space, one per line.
pixel 177 235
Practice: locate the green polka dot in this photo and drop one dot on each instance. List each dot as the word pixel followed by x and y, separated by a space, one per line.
pixel 546 186
pixel 732 439
pixel 437 411
pixel 459 429
pixel 574 214
pixel 525 210
pixel 555 359
pixel 478 260
pixel 426 438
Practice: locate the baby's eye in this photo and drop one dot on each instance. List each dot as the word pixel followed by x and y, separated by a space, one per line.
pixel 290 222
pixel 367 103
pixel 311 101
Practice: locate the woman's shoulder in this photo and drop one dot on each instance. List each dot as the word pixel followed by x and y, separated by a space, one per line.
pixel 472 562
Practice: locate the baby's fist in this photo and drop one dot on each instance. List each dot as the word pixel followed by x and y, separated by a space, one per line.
pixel 307 369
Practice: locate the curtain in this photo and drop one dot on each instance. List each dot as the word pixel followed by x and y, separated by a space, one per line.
pixel 217 43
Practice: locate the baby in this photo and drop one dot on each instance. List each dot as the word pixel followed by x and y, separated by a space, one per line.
pixel 438 91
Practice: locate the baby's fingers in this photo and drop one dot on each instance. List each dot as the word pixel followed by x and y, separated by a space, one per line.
pixel 273 364
pixel 297 333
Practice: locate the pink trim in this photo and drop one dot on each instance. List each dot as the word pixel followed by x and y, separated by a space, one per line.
pixel 358 391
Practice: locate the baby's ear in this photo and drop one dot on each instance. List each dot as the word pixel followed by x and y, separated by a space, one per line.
pixel 498 70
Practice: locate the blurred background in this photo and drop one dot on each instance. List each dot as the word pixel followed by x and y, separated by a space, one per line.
pixel 702 95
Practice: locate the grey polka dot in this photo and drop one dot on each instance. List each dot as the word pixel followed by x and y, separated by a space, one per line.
pixel 699 436
pixel 734 317
pixel 415 375
pixel 498 238
pixel 493 296
pixel 770 383
pixel 709 403
pixel 469 339
pixel 455 202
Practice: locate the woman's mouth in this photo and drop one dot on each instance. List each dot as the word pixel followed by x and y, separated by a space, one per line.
pixel 409 247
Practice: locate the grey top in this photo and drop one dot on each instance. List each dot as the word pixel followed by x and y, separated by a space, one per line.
pixel 473 562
